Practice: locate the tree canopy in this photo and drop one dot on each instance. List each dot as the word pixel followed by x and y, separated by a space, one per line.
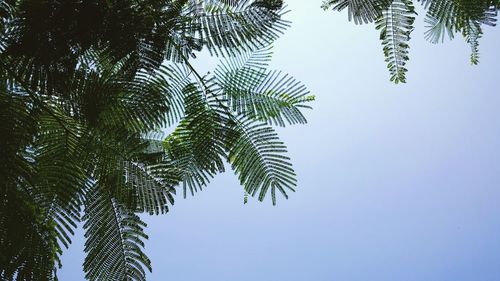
pixel 395 19
pixel 87 90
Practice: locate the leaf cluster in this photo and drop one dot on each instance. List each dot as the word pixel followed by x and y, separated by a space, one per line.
pixel 444 18
pixel 87 89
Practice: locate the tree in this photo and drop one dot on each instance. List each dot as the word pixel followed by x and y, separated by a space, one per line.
pixel 395 18
pixel 87 88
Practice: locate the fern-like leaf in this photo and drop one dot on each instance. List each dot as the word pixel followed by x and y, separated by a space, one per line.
pixel 361 11
pixel 230 29
pixel 258 158
pixel 196 146
pixel 114 239
pixel 465 17
pixel 263 95
pixel 396 25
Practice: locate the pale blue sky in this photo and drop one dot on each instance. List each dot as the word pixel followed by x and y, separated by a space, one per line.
pixel 396 182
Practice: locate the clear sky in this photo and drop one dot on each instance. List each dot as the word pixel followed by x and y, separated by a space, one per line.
pixel 396 182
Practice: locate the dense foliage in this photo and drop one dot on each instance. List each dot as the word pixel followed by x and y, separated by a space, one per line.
pixel 87 90
pixel 395 18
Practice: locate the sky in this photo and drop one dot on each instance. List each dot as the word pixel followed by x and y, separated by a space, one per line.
pixel 396 182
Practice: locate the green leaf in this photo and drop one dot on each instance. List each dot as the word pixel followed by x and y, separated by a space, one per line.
pixel 361 11
pixel 267 96
pixel 396 25
pixel 258 158
pixel 114 239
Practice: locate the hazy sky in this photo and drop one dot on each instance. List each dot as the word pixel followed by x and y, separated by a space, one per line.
pixel 396 182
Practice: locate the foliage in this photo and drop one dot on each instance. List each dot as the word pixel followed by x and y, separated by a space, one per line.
pixel 87 88
pixel 394 19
